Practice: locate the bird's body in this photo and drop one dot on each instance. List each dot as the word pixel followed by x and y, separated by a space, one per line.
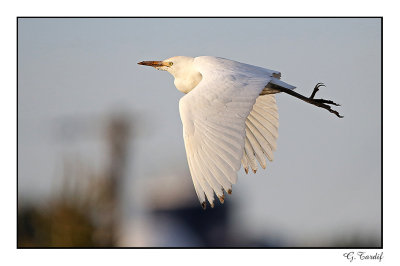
pixel 229 116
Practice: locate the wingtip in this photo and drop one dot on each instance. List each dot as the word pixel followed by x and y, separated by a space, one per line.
pixel 204 205
pixel 246 170
pixel 222 199
pixel 229 191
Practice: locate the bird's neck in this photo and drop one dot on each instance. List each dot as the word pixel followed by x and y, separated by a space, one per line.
pixel 185 82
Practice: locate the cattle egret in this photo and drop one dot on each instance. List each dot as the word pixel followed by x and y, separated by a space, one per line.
pixel 229 116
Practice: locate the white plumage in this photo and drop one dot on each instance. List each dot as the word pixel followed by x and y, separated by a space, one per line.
pixel 220 128
pixel 229 116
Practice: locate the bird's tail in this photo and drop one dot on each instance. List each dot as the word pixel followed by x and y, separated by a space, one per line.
pixel 280 83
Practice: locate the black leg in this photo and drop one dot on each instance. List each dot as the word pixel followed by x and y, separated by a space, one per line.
pixel 317 102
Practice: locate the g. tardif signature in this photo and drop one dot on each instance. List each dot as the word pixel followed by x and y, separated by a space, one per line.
pixel 363 256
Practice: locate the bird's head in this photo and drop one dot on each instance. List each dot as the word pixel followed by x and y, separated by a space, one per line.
pixel 173 65
pixel 182 68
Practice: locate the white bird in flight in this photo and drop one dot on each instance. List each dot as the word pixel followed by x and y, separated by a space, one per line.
pixel 229 116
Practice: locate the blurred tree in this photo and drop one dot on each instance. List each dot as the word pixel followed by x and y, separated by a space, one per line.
pixel 86 212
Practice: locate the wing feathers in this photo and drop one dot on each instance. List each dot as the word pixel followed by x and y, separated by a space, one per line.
pixel 245 162
pixel 218 139
pixel 207 175
pixel 227 152
pixel 262 119
pixel 261 132
pixel 223 165
pixel 203 183
pixel 266 147
pixel 250 154
pixel 219 175
pixel 199 190
pixel 256 146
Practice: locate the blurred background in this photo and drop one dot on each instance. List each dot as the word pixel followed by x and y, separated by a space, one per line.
pixel 101 159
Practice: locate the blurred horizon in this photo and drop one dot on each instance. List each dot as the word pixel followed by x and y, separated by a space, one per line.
pixel 78 82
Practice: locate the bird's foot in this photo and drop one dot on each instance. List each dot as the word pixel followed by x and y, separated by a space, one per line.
pixel 322 102
pixel 316 88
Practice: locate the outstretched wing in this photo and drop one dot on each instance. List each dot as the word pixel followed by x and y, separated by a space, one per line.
pixel 261 133
pixel 214 117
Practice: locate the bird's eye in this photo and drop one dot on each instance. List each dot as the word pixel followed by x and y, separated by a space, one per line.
pixel 170 63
